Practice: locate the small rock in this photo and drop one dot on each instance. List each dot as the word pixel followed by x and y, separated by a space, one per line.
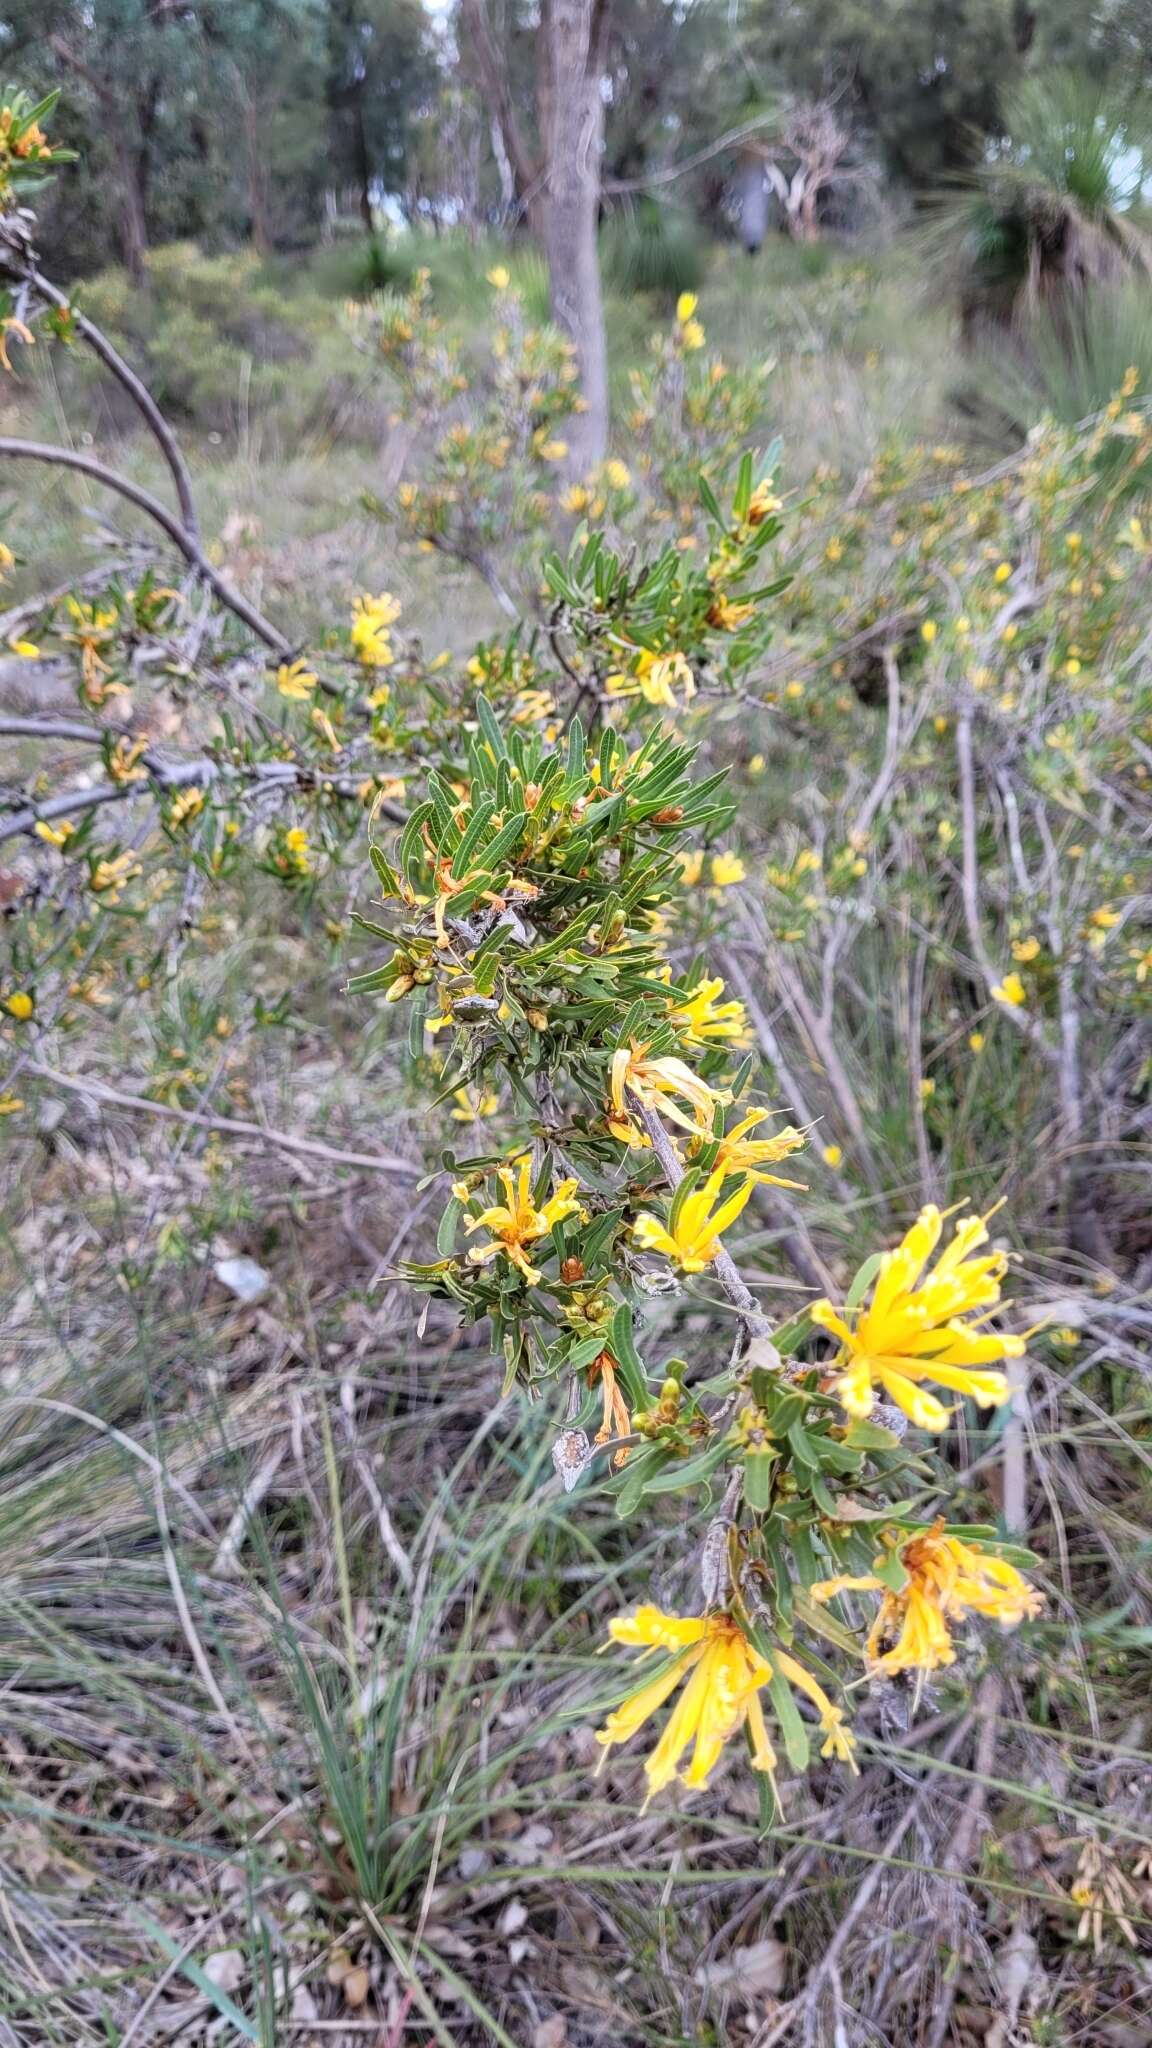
pixel 243 1278
pixel 356 1986
pixel 226 1969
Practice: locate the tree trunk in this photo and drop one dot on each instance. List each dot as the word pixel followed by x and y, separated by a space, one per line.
pixel 363 163
pixel 133 226
pixel 572 129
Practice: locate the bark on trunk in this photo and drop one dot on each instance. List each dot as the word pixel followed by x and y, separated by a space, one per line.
pixel 572 128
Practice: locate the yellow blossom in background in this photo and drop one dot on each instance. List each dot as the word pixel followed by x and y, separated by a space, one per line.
pixel 470 1107
pixel 295 680
pixel 701 1220
pixel 929 630
pixel 124 763
pixel 499 277
pixel 371 619
pixel 9 1103
pixel 757 765
pixel 1104 917
pixel 692 335
pixel 1067 1336
pixel 686 305
pixel 1002 573
pixel 703 1020
pixel 109 877
pixel 726 870
pixel 553 450
pixel 9 326
pixel 54 835
pixel 26 649
pixel 516 1222
pixel 691 866
pixel 20 1005
pixel 947 1581
pixel 1011 991
pixel 740 1153
pixel 911 1330
pixel 832 1155
pixel 1143 962
pixel 1025 949
pixel 577 498
pixel 617 473
pixel 725 1674
pixel 976 1041
pixel 927 1090
pixel 726 615
pixel 186 805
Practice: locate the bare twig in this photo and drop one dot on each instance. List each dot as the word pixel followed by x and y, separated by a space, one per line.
pixel 369 1162
pixel 188 544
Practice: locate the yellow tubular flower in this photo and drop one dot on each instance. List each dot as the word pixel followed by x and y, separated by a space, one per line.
pixel 722 1695
pixel 739 1153
pixel 702 1020
pixel 910 1331
pixel 295 680
pixel 695 1241
pixel 947 1580
pixel 517 1222
pixel 654 1083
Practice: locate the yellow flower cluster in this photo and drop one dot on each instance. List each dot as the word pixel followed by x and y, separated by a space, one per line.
pixel 913 1330
pixel 946 1580
pixel 371 619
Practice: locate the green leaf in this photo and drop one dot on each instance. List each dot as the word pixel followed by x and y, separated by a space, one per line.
pixel 446 1234
pixel 758 1470
pixel 862 1280
pixel 797 1748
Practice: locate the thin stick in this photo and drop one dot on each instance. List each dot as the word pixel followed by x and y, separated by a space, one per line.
pixel 370 1162
pixel 139 393
pixel 188 544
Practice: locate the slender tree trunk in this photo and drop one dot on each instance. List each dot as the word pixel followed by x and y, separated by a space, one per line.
pixel 363 163
pixel 133 225
pixel 572 129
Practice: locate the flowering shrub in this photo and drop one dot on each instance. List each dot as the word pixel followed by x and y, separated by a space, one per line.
pixel 542 825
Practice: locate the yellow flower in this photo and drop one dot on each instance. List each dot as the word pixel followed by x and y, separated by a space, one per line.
pixel 929 630
pixel 702 1020
pixel 11 325
pixel 9 1103
pixel 739 1153
pixel 1002 573
pixel 654 1083
pixel 762 505
pixel 1067 1336
pixel 553 451
pixel 19 1005
pixel 617 474
pixel 976 1041
pixel 26 649
pixel 7 559
pixel 517 1222
pixel 726 615
pixel 911 1332
pixel 757 765
pixel 832 1155
pixel 577 498
pixel 911 1329
pixel 722 1695
pixel 471 1107
pixel 726 870
pixel 691 866
pixel 187 805
pixel 54 835
pixel 371 618
pixel 947 1580
pixel 1011 991
pixel 1104 917
pixel 295 680
pixel 692 335
pixel 686 305
pixel 1025 949
pixel 654 677
pixel 927 1090
pixel 701 1221
pixel 1143 962
pixel 1073 542
pixel 109 877
pixel 499 278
